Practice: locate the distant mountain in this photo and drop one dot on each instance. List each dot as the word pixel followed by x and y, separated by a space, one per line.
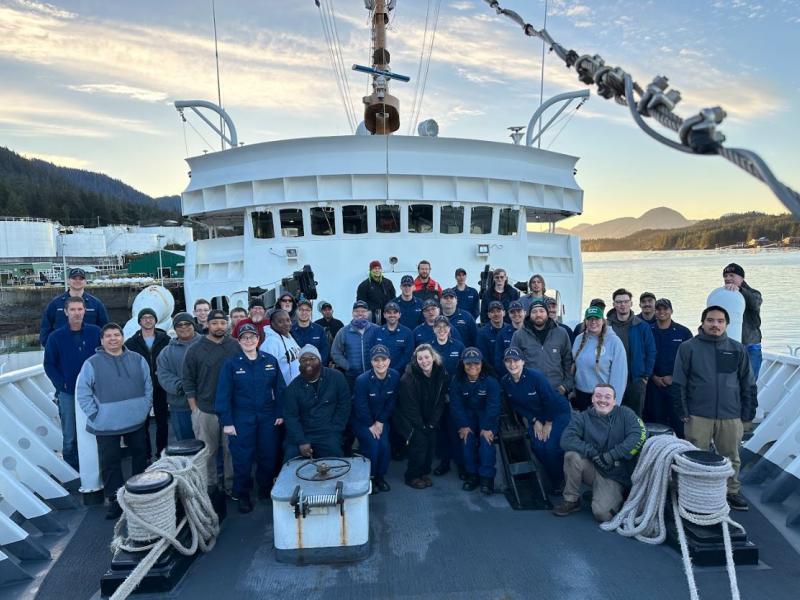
pixel 656 218
pixel 36 188
pixel 730 230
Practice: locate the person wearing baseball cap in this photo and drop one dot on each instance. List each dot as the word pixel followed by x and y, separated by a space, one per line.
pixel 475 413
pixel 350 349
pixel 599 358
pixel 397 338
pixel 249 402
pixel 55 316
pixel 169 366
pixel 499 289
pixel 423 333
pixel 659 400
pixel 304 331
pixel 376 290
pixel 547 412
pixel 733 276
pixel 593 302
pixel 149 341
pixel 516 315
pixel 374 400
pixel 460 319
pixel 410 305
pixel 647 305
pixel 329 323
pixel 469 298
pixel 488 333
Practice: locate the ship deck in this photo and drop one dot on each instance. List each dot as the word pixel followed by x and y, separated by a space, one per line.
pixel 438 543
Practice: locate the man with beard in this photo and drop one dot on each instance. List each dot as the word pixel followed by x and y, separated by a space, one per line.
pixel 426 288
pixel 545 347
pixel 647 304
pixel 316 409
pixel 329 323
pixel 201 367
pixel 257 316
pixel 305 332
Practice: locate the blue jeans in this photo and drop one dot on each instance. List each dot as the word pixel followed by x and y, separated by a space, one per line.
pixel 550 453
pixel 181 421
pixel 377 451
pixel 754 352
pixel 66 412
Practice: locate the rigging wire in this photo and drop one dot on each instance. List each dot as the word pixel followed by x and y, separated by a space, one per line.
pixel 343 70
pixel 338 75
pixel 219 87
pixel 424 82
pixel 419 68
pixel 210 147
pixel 541 77
pixel 567 119
pixel 697 134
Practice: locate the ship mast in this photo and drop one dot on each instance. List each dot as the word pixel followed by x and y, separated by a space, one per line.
pixel 381 109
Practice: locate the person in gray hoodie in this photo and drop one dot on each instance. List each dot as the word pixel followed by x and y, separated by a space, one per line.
pixel 717 392
pixel 115 391
pixel 546 347
pixel 169 367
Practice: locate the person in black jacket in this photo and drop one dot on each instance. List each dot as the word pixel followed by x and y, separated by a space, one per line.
pixel 376 290
pixel 149 341
pixel 502 291
pixel 421 402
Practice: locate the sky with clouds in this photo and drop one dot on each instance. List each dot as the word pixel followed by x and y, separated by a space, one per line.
pixel 89 83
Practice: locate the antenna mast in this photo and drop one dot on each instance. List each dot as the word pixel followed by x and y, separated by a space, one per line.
pixel 219 87
pixel 381 109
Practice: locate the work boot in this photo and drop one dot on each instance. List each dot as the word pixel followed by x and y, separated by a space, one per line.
pixel 114 510
pixel 737 502
pixel 470 483
pixel 417 483
pixel 487 486
pixel 381 484
pixel 462 473
pixel 245 504
pixel 428 481
pixel 374 485
pixel 442 469
pixel 567 508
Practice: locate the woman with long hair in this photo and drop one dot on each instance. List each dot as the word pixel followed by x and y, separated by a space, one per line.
pixel 599 358
pixel 421 402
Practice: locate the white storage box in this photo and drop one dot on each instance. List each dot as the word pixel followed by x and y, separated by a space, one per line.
pixel 320 510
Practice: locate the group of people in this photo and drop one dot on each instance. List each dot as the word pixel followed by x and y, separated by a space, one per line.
pixel 423 374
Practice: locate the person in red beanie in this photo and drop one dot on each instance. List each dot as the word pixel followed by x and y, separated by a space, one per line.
pixel 376 290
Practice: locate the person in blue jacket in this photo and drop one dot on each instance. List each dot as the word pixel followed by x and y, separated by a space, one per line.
pixel 410 305
pixel 660 397
pixel 249 403
pixel 487 334
pixel 304 331
pixel 460 319
pixel 396 337
pixel 447 445
pixel 469 299
pixel 547 412
pixel 55 313
pixel 475 410
pixel 423 333
pixel 503 342
pixel 374 400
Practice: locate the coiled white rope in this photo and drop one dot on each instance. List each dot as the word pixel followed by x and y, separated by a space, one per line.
pixel 151 517
pixel 700 498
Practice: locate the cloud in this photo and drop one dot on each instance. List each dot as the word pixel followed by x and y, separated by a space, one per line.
pixel 58 159
pixel 463 5
pixel 578 10
pixel 45 9
pixel 119 89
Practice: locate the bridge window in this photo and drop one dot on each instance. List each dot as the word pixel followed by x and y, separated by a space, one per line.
pixel 387 218
pixel 420 218
pixel 354 218
pixel 481 220
pixel 292 222
pixel 322 221
pixel 263 227
pixel 509 221
pixel 452 219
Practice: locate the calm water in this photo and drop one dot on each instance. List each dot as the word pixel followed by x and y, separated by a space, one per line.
pixel 685 277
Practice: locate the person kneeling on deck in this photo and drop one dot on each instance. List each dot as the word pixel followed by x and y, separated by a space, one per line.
pixel 475 409
pixel 115 391
pixel 249 403
pixel 316 408
pixel 531 396
pixel 374 399
pixel 601 445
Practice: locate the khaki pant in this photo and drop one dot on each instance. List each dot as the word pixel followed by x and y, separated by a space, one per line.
pixel 726 435
pixel 206 428
pixel 606 493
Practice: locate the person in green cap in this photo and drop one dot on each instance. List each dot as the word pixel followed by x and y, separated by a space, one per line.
pixel 599 358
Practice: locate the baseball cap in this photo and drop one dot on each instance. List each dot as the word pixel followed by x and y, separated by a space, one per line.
pixel 217 314
pixel 512 353
pixel 644 295
pixel 495 304
pixel 379 351
pixel 391 305
pixel 593 312
pixel 515 305
pixel 428 303
pixel 441 319
pixel 472 356
pixel 597 302
pixel 77 272
pixel 325 304
pixel 360 304
pixel 449 292
pixel 663 302
pixel 305 301
pixel 406 280
pixel 247 328
pixel 460 271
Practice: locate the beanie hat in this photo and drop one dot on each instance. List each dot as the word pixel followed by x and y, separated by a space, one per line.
pixel 733 268
pixel 144 312
pixel 309 349
pixel 182 317
pixel 375 263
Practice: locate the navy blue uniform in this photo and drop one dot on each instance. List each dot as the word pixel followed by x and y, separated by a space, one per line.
pixel 55 317
pixel 487 338
pixel 423 334
pixel 502 343
pixel 250 397
pixel 465 324
pixel 533 397
pixel 469 300
pixel 410 311
pixel 450 352
pixel 400 343
pixel 316 336
pixel 374 400
pixel 447 436
pixel 659 401
pixel 476 404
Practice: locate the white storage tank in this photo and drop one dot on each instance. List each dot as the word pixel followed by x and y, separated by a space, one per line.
pixel 320 510
pixel 27 238
pixel 734 303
